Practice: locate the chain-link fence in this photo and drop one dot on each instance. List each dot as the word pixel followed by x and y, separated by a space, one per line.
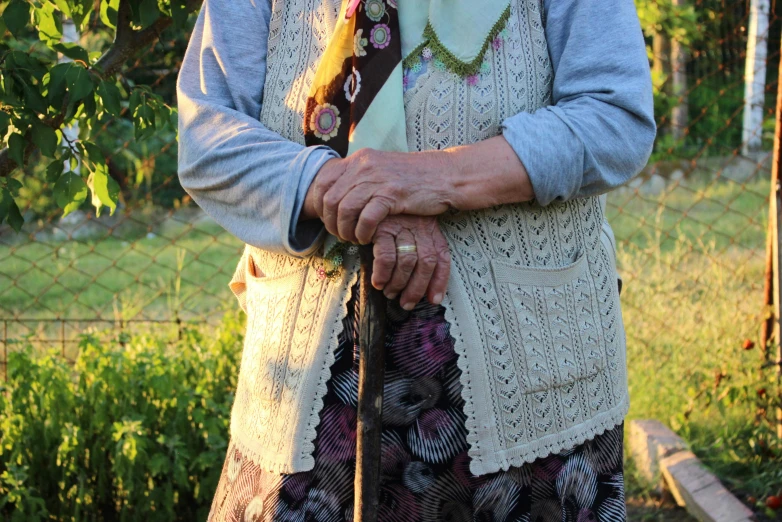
pixel 157 263
pixel 691 229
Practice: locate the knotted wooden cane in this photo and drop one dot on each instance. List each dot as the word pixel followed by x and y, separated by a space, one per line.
pixel 371 347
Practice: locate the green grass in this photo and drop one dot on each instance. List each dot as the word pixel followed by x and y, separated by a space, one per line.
pixel 185 269
pixel 692 294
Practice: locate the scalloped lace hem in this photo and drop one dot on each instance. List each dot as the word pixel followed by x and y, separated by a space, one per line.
pixel 483 461
pixel 310 431
pixel 552 444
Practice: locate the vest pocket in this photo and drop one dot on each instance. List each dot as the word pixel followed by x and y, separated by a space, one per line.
pixel 553 323
pixel 272 305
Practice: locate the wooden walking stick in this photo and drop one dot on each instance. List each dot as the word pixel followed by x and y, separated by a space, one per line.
pixel 371 342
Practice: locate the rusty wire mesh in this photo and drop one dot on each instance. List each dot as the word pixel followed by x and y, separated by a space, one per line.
pixel 691 229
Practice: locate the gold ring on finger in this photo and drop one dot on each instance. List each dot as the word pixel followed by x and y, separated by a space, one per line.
pixel 406 248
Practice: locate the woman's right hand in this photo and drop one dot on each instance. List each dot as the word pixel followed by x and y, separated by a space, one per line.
pixel 411 275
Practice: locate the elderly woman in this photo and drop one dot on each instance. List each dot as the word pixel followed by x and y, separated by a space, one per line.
pixel 472 142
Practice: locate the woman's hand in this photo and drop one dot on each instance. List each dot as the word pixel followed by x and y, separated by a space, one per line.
pixel 411 275
pixel 352 196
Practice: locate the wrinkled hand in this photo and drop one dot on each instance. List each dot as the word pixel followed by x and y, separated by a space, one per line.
pixel 411 275
pixel 352 196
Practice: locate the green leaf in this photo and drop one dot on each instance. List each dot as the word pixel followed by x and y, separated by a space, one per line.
pixel 14 185
pixel 5 121
pixel 26 65
pixel 80 12
pixel 5 203
pixel 16 147
pixel 135 99
pixel 57 84
pixel 105 191
pixel 73 51
pixel 9 211
pixel 16 16
pixel 45 138
pixel 108 12
pixel 179 13
pixel 14 217
pixel 70 192
pixel 91 153
pixel 158 464
pixel 109 95
pixel 54 170
pixel 62 5
pixel 32 97
pixel 173 118
pixel 79 81
pixel 148 12
pixel 49 23
pixel 89 106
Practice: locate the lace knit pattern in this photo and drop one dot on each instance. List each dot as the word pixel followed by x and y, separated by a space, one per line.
pixel 294 317
pixel 532 302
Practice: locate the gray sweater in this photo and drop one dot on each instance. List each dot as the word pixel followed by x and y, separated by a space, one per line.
pixel 596 136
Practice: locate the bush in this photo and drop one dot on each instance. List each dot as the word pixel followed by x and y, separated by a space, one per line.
pixel 133 432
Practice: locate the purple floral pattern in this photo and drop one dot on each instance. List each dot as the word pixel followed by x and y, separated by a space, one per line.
pixel 425 466
pixel 325 121
pixel 380 37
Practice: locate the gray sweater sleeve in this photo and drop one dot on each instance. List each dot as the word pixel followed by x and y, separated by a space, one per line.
pixel 251 180
pixel 599 132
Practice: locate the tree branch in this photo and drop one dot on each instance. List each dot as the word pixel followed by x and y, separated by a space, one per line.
pixel 127 43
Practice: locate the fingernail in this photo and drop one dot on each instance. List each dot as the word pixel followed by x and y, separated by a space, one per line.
pixel 408 306
pixel 438 298
pixel 390 295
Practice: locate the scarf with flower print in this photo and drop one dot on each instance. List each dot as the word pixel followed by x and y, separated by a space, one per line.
pixel 356 98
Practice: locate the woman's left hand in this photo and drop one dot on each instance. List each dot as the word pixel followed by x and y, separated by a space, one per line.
pixel 412 260
pixel 352 196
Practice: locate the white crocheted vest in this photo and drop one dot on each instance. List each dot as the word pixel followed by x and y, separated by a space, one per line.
pixel 532 301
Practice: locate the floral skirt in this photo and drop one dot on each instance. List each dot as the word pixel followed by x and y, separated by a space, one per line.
pixel 425 467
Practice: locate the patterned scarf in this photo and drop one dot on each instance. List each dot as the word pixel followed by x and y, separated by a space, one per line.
pixel 357 90
pixel 356 99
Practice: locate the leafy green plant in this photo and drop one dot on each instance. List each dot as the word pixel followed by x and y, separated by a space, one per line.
pixel 131 432
pixel 41 95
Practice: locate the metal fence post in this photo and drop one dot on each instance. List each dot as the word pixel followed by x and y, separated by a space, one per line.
pixel 5 349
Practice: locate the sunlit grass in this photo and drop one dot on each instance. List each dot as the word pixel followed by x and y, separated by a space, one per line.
pixel 692 294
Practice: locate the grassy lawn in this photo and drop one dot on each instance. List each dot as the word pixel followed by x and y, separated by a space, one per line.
pixel 693 265
pixel 184 267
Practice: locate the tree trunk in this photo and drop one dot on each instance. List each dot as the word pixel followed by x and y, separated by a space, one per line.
pixel 679 114
pixel 660 50
pixel 755 77
pixel 71 132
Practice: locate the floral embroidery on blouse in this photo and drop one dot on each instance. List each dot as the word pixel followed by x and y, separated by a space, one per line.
pixel 333 258
pixel 416 65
